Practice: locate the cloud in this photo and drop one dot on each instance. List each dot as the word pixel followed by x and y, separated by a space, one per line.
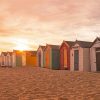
pixel 48 21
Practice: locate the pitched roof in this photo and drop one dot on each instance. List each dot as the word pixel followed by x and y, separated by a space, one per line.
pixel 9 53
pixel 4 53
pixel 70 43
pixel 84 44
pixel 43 47
pixel 54 46
pixel 98 38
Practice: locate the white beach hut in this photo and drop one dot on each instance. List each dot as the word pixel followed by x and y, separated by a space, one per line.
pixel 4 59
pixel 9 59
pixel 95 55
pixel 80 56
pixel 40 56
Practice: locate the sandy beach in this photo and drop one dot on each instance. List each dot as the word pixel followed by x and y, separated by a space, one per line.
pixel 28 83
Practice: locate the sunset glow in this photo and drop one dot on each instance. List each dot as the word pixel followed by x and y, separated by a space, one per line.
pixel 21 44
pixel 21 47
pixel 47 21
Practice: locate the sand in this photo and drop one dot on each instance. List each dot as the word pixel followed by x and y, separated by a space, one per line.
pixel 27 83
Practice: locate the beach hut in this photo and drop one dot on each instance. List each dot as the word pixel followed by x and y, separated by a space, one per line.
pixel 29 58
pixel 95 55
pixel 0 60
pixel 80 56
pixel 17 58
pixel 4 59
pixel 65 54
pixel 40 56
pixel 9 59
pixel 52 56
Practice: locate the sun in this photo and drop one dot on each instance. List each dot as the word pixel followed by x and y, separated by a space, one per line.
pixel 21 45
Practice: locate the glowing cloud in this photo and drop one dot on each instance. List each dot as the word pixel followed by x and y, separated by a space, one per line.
pixel 37 22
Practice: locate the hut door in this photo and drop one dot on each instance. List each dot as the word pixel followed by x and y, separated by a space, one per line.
pixel 65 58
pixel 18 61
pixel 98 59
pixel 76 60
pixel 39 59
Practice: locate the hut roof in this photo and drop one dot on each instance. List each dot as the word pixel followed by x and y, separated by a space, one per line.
pixel 4 53
pixel 43 47
pixel 10 53
pixel 52 46
pixel 98 38
pixel 84 44
pixel 70 43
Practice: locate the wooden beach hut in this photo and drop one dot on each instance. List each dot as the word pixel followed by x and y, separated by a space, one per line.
pixel 40 56
pixel 80 56
pixel 9 59
pixel 29 58
pixel 52 56
pixel 0 60
pixel 17 58
pixel 95 55
pixel 65 54
pixel 3 59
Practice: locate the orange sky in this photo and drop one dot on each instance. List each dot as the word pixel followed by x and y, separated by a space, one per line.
pixel 34 22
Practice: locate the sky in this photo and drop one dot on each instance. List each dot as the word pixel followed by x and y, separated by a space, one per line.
pixel 30 23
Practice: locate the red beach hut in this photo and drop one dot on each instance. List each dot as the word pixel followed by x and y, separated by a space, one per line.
pixel 65 54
